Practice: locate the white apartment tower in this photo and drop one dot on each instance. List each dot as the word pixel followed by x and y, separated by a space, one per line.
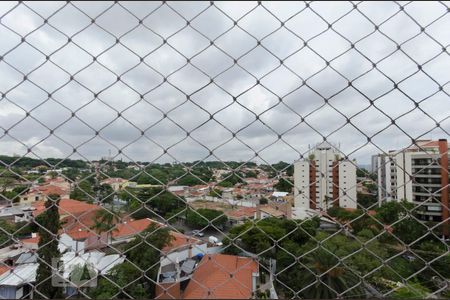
pixel 324 180
pixel 417 174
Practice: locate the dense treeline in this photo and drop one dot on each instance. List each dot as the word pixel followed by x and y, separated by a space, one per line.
pixel 28 162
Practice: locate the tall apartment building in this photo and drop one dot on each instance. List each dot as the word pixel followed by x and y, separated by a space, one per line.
pixel 324 180
pixel 418 174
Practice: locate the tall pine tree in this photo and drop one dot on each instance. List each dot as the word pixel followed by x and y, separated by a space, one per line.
pixel 48 249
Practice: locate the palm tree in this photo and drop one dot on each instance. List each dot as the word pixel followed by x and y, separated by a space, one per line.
pixel 105 221
pixel 336 281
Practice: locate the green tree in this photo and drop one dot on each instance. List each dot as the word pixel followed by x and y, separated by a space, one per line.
pixel 104 193
pixel 127 195
pixel 189 180
pixel 105 221
pixel 52 174
pixel 116 284
pixel 48 251
pixel 336 281
pixel 154 175
pixel 154 200
pixel 250 174
pixel 200 218
pixel 141 267
pixel 259 237
pixel 361 172
pixel 83 191
pixel 215 193
pixel 263 201
pixel 71 174
pixel 409 229
pixel 284 185
pixel 231 179
pixel 6 230
pixel 366 200
pixel 390 212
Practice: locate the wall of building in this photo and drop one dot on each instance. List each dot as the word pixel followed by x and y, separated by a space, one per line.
pixel 347 185
pixel 406 178
pixel 318 185
pixel 301 184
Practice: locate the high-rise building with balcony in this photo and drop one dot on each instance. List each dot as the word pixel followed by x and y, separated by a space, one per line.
pixel 325 179
pixel 417 174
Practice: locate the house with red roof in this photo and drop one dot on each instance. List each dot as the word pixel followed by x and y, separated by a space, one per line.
pixel 67 207
pixel 40 193
pixel 214 276
pixel 241 214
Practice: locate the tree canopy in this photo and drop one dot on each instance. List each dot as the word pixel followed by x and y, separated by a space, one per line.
pixel 200 218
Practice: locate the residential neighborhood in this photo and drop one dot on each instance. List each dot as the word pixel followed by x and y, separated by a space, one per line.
pixel 210 232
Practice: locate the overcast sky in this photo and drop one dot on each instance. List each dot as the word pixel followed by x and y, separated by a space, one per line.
pixel 232 61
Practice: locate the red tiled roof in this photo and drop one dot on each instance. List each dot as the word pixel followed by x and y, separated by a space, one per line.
pixel 241 212
pixel 4 269
pixel 131 228
pixel 48 190
pixel 80 235
pixel 84 221
pixel 271 211
pixel 431 144
pixel 66 207
pixel 135 227
pixel 178 193
pixel 180 240
pixel 200 186
pixel 213 274
pixel 32 240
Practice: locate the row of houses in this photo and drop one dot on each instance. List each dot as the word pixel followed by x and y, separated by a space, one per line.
pixel 81 245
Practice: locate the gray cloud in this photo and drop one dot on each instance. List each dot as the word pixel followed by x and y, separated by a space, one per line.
pixel 144 83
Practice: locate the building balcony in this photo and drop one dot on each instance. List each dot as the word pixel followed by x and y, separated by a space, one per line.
pixel 427 175
pixel 427 194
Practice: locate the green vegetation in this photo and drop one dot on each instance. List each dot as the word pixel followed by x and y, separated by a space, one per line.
pixel 411 291
pixel 361 172
pixel 388 244
pixel 27 162
pixel 275 169
pixel 140 256
pixel 105 221
pixel 14 194
pixel 215 193
pixel 84 190
pixel 366 200
pixel 230 179
pixel 259 238
pixel 6 229
pixel 263 201
pixel 284 185
pixel 201 217
pixel 48 249
pixel 144 203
